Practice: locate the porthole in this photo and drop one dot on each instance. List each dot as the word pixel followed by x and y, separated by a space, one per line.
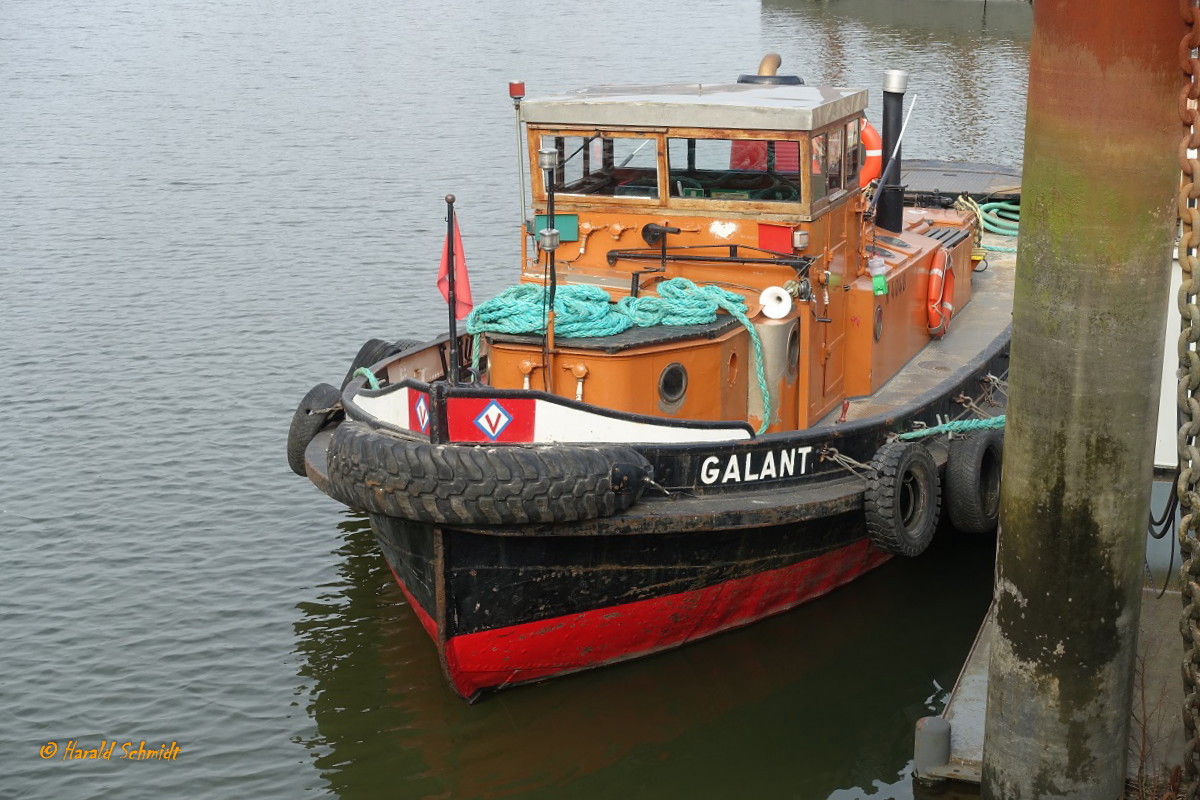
pixel 672 384
pixel 878 322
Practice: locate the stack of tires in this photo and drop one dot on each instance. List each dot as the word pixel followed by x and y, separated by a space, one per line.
pixel 904 494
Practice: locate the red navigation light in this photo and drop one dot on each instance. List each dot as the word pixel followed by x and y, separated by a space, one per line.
pixel 516 89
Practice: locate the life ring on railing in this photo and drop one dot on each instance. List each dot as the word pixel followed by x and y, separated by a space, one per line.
pixel 873 163
pixel 940 296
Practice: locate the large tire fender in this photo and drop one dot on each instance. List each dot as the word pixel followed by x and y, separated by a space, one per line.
pixel 903 498
pixel 373 351
pixel 973 481
pixel 311 416
pixel 481 485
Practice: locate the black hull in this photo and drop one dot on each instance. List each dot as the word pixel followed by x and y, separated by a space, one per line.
pixel 732 533
pixel 505 610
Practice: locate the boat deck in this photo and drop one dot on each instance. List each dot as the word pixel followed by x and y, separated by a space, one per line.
pixel 926 180
pixel 971 331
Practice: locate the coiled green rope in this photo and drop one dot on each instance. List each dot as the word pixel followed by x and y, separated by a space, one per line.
pixel 1002 218
pixel 579 311
pixel 586 311
pixel 956 426
pixel 995 217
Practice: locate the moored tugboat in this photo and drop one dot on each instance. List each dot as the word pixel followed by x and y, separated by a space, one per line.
pixel 727 383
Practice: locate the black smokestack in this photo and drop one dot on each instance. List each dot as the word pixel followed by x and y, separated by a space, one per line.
pixel 890 215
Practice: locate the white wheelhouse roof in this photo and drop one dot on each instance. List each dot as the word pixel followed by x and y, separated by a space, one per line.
pixel 694 105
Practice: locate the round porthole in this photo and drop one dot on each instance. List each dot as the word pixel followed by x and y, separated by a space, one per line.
pixel 878 322
pixel 672 384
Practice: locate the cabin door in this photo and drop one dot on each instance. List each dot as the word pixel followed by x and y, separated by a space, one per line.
pixel 838 260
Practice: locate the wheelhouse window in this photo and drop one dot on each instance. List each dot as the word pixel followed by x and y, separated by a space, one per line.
pixel 734 169
pixel 819 164
pixel 605 164
pixel 833 163
pixel 854 153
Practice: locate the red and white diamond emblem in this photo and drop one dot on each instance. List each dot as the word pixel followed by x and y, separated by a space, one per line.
pixel 493 420
pixel 422 409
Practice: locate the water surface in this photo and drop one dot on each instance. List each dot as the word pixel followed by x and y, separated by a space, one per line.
pixel 206 207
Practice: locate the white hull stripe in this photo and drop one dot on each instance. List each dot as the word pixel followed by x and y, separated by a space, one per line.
pixel 535 421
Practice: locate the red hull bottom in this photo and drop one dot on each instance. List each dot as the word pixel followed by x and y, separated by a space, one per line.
pixel 545 648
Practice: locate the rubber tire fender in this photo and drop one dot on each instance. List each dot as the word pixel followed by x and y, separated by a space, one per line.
pixel 481 485
pixel 903 498
pixel 308 421
pixel 973 481
pixel 373 351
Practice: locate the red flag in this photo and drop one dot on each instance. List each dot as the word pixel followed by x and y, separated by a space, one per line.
pixel 462 283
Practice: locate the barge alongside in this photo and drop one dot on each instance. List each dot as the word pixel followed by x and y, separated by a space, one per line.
pixel 699 407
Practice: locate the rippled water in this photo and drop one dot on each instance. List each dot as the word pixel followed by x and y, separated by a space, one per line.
pixel 205 208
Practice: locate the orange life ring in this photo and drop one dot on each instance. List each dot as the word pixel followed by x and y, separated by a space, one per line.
pixel 873 164
pixel 940 296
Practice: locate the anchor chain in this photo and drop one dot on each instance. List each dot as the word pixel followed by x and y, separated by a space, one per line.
pixel 1189 383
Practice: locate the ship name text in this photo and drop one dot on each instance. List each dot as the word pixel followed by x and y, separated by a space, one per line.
pixel 742 467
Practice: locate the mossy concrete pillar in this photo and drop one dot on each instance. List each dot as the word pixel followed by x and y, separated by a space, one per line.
pixel 1097 223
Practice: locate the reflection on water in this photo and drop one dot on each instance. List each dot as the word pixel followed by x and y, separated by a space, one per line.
pixel 813 703
pixel 967 62
pixel 818 702
pixel 366 663
pixel 918 21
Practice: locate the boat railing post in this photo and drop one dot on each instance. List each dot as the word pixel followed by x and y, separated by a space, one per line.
pixel 452 367
pixel 548 241
pixel 516 91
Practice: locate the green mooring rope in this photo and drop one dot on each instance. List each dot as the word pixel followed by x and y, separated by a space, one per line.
pixel 956 426
pixel 370 376
pixel 586 311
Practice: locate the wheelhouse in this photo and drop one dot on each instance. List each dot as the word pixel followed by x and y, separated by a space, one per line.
pixel 791 151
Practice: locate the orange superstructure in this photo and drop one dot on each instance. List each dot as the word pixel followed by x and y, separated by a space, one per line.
pixel 758 192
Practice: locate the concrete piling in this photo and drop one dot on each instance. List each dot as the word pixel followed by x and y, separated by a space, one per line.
pixel 1097 221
